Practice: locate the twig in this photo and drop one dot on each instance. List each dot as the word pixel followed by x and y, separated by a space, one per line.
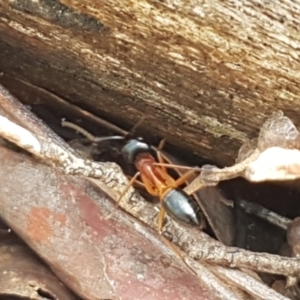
pixel 264 213
pixel 241 279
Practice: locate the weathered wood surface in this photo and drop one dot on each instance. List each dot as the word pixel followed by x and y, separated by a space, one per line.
pixel 207 73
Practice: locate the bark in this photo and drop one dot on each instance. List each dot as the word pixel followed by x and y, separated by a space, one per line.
pixel 205 73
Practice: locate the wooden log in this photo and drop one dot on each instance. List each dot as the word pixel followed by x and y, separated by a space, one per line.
pixel 206 73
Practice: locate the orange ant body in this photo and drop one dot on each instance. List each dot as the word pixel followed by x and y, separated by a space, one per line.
pixel 159 183
pixel 155 179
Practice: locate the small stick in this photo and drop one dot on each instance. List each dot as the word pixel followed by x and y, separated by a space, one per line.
pixel 79 129
pixel 264 213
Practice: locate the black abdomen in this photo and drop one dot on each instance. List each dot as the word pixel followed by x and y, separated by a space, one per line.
pixel 182 208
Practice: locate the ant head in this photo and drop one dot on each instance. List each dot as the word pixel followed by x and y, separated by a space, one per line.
pixel 134 147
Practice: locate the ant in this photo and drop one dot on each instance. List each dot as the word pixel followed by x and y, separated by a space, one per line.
pixel 158 183
pixel 155 178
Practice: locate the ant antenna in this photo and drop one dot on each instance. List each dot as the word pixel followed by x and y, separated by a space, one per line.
pixel 138 123
pixel 131 131
pixel 88 135
pixel 108 138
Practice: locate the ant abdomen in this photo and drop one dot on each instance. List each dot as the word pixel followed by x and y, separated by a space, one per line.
pixel 182 208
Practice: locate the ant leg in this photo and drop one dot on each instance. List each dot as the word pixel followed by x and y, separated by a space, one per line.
pixel 132 130
pixel 160 155
pixel 177 252
pixel 167 165
pixel 139 184
pixel 130 183
pixel 138 124
pixel 161 144
pixel 165 162
pixel 170 163
pixel 146 185
pixel 174 249
pixel 183 178
pixel 161 216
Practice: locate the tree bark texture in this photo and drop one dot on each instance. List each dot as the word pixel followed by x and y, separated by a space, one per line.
pixel 205 73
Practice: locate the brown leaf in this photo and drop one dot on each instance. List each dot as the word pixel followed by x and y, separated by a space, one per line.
pixel 24 275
